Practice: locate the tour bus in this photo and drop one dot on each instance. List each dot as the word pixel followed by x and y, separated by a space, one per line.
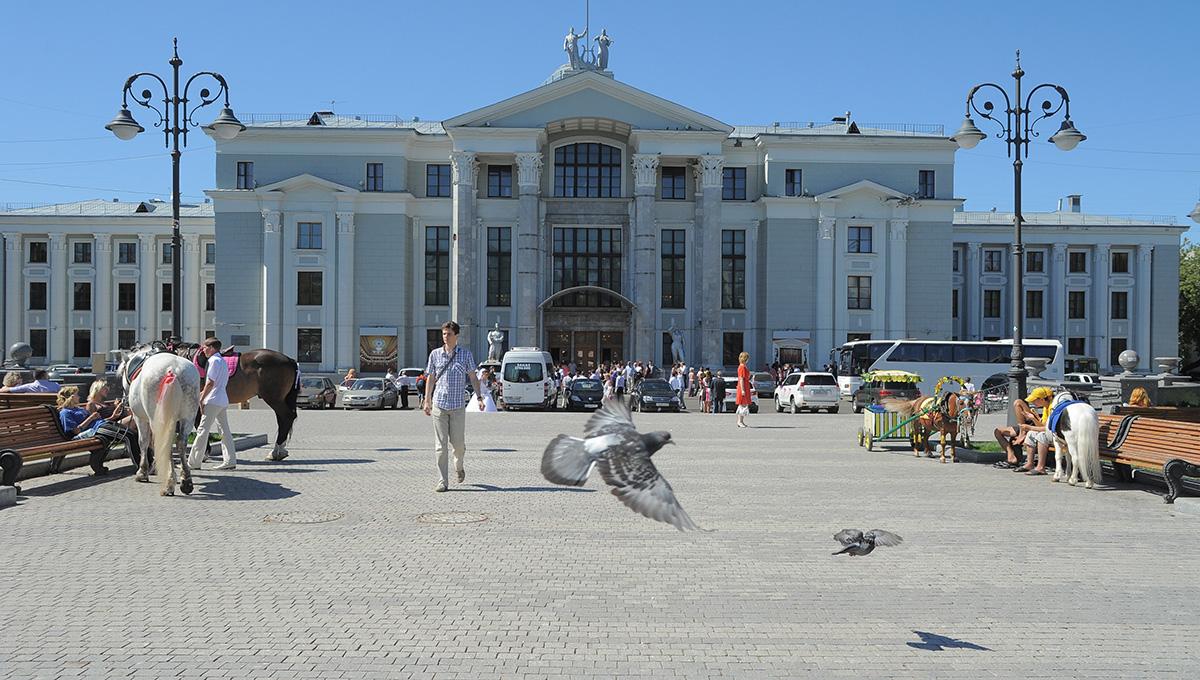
pixel 527 378
pixel 976 361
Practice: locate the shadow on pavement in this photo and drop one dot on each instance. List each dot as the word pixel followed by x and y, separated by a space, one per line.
pixel 283 465
pixel 231 487
pixel 74 479
pixel 498 450
pixel 528 489
pixel 396 449
pixel 933 642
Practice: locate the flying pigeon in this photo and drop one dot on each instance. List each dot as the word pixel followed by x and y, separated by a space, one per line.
pixel 622 454
pixel 858 543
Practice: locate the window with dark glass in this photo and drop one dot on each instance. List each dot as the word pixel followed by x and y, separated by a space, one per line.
pixel 991 304
pixel 733 269
pixel 1077 262
pixel 437 265
pixel 37 295
pixel 993 260
pixel 127 253
pixel 309 288
pixel 499 267
pixel 166 297
pixel 37 341
pixel 674 183
pixel 83 342
pixel 587 170
pixel 433 340
pixel 858 240
pixel 308 236
pixel 733 184
pixel 1115 347
pixel 858 292
pixel 908 351
pixel 955 256
pixel 1035 261
pixel 1076 304
pixel 126 339
pixel 374 177
pixel 732 345
pixel 210 297
pixel 37 252
pixel 673 254
pixel 437 180
pixel 167 252
pixel 586 256
pixel 1120 304
pixel 245 175
pixel 210 253
pixel 1033 304
pixel 925 185
pixel 308 345
pixel 1120 262
pixel 126 297
pixel 1077 346
pixel 81 252
pixel 954 303
pixel 81 296
pixel 499 181
pixel 792 186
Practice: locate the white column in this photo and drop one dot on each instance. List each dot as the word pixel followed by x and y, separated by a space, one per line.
pixel 708 248
pixel 528 255
pixel 1141 340
pixel 102 304
pixel 14 292
pixel 148 311
pixel 1056 324
pixel 60 328
pixel 1100 303
pixel 645 283
pixel 464 271
pixel 825 341
pixel 347 334
pixel 193 292
pixel 974 285
pixel 897 321
pixel 272 278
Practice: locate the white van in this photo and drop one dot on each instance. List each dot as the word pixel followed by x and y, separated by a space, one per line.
pixel 527 378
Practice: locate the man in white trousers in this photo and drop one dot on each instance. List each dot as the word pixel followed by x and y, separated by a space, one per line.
pixel 213 403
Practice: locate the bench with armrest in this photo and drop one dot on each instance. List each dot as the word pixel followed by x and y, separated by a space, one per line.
pixel 1170 448
pixel 25 399
pixel 1186 414
pixel 34 434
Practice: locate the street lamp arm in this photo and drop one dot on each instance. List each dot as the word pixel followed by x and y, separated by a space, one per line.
pixel 989 108
pixel 1048 108
pixel 144 98
pixel 206 97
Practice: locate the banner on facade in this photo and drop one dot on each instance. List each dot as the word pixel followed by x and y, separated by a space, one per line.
pixel 376 352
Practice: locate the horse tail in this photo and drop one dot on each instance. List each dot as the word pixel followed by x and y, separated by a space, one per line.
pixel 162 423
pixel 1087 440
pixel 290 402
pixel 904 407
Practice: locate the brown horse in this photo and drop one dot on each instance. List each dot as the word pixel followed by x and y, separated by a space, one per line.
pixel 940 414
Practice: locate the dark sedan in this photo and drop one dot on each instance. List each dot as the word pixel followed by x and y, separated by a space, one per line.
pixel 583 394
pixel 654 395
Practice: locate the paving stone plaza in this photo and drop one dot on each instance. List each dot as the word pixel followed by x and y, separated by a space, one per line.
pixel 1000 575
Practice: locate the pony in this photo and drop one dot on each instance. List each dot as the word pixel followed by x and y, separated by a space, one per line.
pixel 161 389
pixel 1076 441
pixel 940 414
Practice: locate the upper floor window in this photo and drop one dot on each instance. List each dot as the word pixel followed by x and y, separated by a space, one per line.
pixel 674 183
pixel 309 287
pixel 437 265
pixel 81 252
pixel 991 304
pixel 954 260
pixel 167 297
pixel 210 253
pixel 925 186
pixel 499 181
pixel 37 295
pixel 437 180
pixel 1035 261
pixel 81 296
pixel 1120 262
pixel 167 252
pixel 791 184
pixel 1120 304
pixel 587 256
pixel 733 269
pixel 1076 304
pixel 858 292
pixel 37 252
pixel 210 299
pixel 126 298
pixel 127 252
pixel 1077 262
pixel 733 184
pixel 374 177
pixel 859 240
pixel 674 257
pixel 499 267
pixel 587 170
pixel 308 236
pixel 245 175
pixel 993 260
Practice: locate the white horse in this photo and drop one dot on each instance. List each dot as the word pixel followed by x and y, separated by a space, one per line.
pixel 1076 442
pixel 162 389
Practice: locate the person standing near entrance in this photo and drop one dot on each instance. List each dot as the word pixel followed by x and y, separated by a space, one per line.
pixel 743 389
pixel 449 368
pixel 717 392
pixel 213 404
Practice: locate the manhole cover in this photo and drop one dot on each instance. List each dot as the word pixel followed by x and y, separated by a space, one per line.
pixel 303 517
pixel 451 517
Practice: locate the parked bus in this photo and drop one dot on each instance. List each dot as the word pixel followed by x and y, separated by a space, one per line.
pixel 983 362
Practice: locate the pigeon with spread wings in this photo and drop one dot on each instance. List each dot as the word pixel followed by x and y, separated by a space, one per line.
pixel 857 543
pixel 622 454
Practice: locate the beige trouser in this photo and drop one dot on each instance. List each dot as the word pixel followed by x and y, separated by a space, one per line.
pixel 449 429
pixel 213 415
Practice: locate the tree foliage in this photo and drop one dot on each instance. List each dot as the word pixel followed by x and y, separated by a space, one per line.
pixel 1189 299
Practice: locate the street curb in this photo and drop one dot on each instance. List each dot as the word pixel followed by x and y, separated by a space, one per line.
pixel 8 496
pixel 973 456
pixel 252 441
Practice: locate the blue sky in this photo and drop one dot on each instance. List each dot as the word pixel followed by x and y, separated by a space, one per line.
pixel 1130 69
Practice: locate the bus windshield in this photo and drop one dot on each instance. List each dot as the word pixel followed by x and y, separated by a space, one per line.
pixel 857 358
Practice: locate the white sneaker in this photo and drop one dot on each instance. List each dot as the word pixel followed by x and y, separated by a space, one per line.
pixel 226 466
pixel 441 486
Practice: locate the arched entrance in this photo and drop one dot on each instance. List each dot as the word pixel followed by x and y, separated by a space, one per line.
pixel 587 335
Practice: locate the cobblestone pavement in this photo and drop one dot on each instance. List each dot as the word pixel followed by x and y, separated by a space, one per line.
pixel 1000 575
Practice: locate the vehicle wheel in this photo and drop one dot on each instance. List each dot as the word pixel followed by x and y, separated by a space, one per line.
pixel 869 441
pixel 778 407
pixel 792 406
pixel 396 404
pixel 753 408
pixel 834 409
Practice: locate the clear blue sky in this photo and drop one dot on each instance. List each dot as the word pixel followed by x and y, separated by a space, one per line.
pixel 1130 68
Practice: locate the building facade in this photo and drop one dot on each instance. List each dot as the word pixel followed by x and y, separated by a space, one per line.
pixel 94 276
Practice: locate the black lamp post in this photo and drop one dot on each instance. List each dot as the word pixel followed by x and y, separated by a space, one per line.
pixel 175 118
pixel 1017 130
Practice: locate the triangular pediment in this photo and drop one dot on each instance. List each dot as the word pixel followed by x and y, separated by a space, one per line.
pixel 306 181
pixel 866 186
pixel 588 95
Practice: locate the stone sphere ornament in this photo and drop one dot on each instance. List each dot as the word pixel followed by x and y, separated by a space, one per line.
pixel 1129 360
pixel 20 353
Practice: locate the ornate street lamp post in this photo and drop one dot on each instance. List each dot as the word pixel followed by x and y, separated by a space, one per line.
pixel 1017 125
pixel 175 117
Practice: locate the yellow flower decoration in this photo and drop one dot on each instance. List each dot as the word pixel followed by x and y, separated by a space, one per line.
pixel 937 389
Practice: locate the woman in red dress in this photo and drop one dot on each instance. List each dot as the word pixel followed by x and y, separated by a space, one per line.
pixel 743 389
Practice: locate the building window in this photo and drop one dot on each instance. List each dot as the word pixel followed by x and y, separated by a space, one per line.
pixel 1035 261
pixel 731 347
pixel 1077 262
pixel 1120 304
pixel 856 337
pixel 674 281
pixel 991 304
pixel 1033 304
pixel 587 257
pixel 437 265
pixel 859 240
pixel 127 253
pixel 37 341
pixel 83 343
pixel 955 256
pixel 210 253
pixel 308 345
pixel 433 339
pixel 1120 262
pixel 587 170
pixel 993 260
pixel 245 175
pixel 126 339
pixel 81 252
pixel 37 295
pixel 954 303
pixel 374 177
pixel 82 294
pixel 166 297
pixel 792 182
pixel 733 184
pixel 308 236
pixel 1076 304
pixel 309 288
pixel 210 297
pixel 37 252
pixel 167 252
pixel 499 181
pixel 499 265
pixel 674 183
pixel 925 185
pixel 126 297
pixel 733 269
pixel 437 180
pixel 858 292
pixel 1077 346
pixel 1115 347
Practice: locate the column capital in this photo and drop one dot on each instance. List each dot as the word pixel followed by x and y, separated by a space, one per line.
pixel 711 167
pixel 826 227
pixel 271 221
pixel 463 165
pixel 1059 249
pixel 529 171
pixel 58 241
pixel 1144 251
pixel 974 246
pixel 1102 253
pixel 12 240
pixel 147 241
pixel 345 223
pixel 645 170
pixel 898 230
pixel 103 242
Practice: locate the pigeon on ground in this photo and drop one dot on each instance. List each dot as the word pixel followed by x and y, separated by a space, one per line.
pixel 612 444
pixel 858 543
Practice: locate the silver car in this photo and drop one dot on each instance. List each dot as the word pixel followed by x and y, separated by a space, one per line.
pixel 370 393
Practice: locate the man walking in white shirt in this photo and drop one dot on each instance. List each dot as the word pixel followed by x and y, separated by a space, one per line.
pixel 213 404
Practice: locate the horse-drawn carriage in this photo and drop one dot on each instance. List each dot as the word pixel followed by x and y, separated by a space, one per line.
pixel 881 425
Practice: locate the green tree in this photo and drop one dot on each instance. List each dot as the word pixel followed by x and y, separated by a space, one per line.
pixel 1189 299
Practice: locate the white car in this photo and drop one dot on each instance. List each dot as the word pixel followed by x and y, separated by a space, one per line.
pixel 811 391
pixel 731 396
pixel 408 377
pixel 1089 378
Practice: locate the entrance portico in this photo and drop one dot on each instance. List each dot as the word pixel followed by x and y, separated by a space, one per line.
pixel 587 336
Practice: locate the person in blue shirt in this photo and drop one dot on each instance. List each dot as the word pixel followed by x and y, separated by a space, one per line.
pixel 41 383
pixel 75 419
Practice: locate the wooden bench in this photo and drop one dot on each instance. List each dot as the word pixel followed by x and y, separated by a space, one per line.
pixel 35 433
pixel 1188 414
pixel 25 399
pixel 1170 448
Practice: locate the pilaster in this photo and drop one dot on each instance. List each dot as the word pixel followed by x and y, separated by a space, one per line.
pixel 1141 340
pixel 346 332
pixel 464 270
pixel 708 248
pixel 272 279
pixel 102 307
pixel 1057 323
pixel 14 292
pixel 825 288
pixel 60 328
pixel 148 312
pixel 645 168
pixel 897 310
pixel 974 284
pixel 528 246
pixel 1101 312
pixel 193 293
